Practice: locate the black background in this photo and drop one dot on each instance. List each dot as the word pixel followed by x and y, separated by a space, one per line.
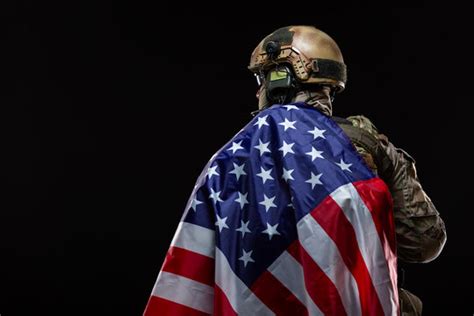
pixel 110 110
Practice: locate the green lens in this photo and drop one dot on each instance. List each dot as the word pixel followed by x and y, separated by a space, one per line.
pixel 278 75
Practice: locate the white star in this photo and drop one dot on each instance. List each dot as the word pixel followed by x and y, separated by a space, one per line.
pixel 261 121
pixel 317 132
pixel 288 124
pixel 286 148
pixel 215 196
pixel 195 203
pixel 287 174
pixel 314 180
pixel 242 199
pixel 271 230
pixel 221 222
pixel 238 170
pixel 236 146
pixel 267 202
pixel 211 171
pixel 265 174
pixel 263 147
pixel 246 257
pixel 290 107
pixel 315 153
pixel 244 228
pixel 344 166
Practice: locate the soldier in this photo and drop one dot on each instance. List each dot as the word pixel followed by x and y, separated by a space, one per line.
pixel 304 64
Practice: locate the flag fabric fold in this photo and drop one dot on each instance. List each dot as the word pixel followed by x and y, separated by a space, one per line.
pixel 286 219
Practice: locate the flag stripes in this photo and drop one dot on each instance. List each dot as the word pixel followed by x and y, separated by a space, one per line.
pixel 302 280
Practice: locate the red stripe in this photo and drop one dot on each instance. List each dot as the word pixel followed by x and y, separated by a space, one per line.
pixel 276 296
pixel 333 220
pixel 375 194
pixel 190 265
pixel 319 287
pixel 376 197
pixel 221 303
pixel 158 306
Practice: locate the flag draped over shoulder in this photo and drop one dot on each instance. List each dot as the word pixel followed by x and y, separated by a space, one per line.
pixel 285 219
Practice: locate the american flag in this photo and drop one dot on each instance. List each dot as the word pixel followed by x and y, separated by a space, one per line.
pixel 286 219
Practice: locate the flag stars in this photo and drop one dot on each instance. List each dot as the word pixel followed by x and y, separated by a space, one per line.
pixel 246 257
pixel 265 174
pixel 288 124
pixel 238 170
pixel 215 196
pixel 286 148
pixel 211 171
pixel 262 147
pixel 195 203
pixel 242 199
pixel 267 202
pixel 344 166
pixel 317 133
pixel 314 180
pixel 271 230
pixel 235 147
pixel 290 107
pixel 221 223
pixel 314 153
pixel 244 228
pixel 287 174
pixel 261 121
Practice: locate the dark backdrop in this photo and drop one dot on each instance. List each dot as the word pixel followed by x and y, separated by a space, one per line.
pixel 110 110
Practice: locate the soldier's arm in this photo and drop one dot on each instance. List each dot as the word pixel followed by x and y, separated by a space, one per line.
pixel 421 233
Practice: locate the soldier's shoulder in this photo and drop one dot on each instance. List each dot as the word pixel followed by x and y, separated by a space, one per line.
pixel 364 123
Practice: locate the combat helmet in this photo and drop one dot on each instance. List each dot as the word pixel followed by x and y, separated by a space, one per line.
pixel 296 56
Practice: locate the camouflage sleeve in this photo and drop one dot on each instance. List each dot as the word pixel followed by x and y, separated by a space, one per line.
pixel 420 231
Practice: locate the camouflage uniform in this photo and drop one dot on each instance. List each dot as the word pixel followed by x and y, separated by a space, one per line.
pixel 419 229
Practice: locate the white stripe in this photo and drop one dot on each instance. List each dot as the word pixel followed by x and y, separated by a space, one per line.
pixel 324 252
pixel 195 238
pixel 369 243
pixel 240 297
pixel 185 291
pixel 290 273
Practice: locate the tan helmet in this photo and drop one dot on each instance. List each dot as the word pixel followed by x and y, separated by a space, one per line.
pixel 312 54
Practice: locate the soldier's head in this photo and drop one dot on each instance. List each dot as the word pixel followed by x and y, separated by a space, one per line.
pixel 298 63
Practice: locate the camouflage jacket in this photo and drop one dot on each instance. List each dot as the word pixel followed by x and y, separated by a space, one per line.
pixel 420 231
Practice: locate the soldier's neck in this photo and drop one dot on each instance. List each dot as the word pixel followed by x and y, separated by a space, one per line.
pixel 317 99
